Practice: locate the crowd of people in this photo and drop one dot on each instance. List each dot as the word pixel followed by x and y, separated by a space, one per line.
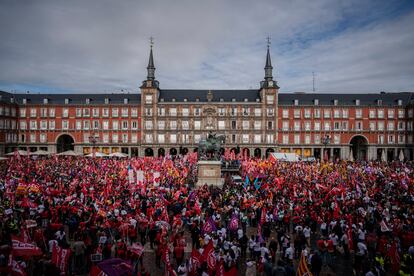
pixel 79 216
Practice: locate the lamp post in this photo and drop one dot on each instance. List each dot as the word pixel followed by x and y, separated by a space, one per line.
pixel 93 140
pixel 326 140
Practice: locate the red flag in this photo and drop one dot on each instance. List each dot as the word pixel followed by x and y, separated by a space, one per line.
pixel 220 268
pixel 60 257
pixel 16 268
pixel 395 258
pixel 195 260
pixel 263 216
pixel 208 255
pixel 20 248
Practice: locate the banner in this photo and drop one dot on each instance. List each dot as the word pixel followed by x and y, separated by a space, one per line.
pixel 208 255
pixel 136 248
pixel 195 260
pixel 22 249
pixel 60 257
pixel 209 226
pixel 16 268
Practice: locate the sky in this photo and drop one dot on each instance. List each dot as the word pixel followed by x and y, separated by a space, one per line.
pixel 102 46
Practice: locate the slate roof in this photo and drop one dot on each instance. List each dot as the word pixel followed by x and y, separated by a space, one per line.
pixel 73 98
pixel 191 95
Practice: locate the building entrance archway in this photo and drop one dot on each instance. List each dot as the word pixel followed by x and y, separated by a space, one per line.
pixel 65 142
pixel 359 145
pixel 149 152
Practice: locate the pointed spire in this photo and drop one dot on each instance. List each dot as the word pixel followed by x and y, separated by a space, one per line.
pixel 150 67
pixel 268 67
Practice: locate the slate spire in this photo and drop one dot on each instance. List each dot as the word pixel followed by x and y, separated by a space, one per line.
pixel 150 67
pixel 268 67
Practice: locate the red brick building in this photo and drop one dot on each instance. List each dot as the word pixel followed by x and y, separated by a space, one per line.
pixel 160 121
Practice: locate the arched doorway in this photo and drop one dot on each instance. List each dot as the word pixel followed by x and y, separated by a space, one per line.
pixel 149 152
pixel 184 151
pixel 257 153
pixel 246 152
pixel 268 151
pixel 65 142
pixel 359 145
pixel 173 151
pixel 161 152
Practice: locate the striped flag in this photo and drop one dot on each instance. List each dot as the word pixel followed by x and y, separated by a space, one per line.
pixel 303 269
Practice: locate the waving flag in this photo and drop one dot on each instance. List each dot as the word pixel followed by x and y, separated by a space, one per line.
pixel 195 260
pixel 60 257
pixel 246 182
pixel 20 248
pixel 303 267
pixel 209 226
pixel 234 223
pixel 208 255
pixel 16 268
pixel 257 184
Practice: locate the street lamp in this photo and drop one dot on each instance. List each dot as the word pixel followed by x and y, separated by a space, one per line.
pixel 93 140
pixel 326 140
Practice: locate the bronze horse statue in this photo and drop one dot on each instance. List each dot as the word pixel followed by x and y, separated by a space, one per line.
pixel 209 149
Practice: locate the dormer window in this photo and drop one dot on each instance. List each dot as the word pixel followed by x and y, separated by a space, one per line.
pixel 296 102
pixel 246 100
pixel 162 100
pixel 11 100
pixel 221 100
pixel 257 100
pixel 66 101
pixel 233 100
pixel 197 99
pixel 379 102
pixel 173 100
pixel 357 102
pixel 45 101
pixel 316 102
pixel 106 101
pixel 125 101
pixel 24 101
pixel 88 101
pixel 185 99
pixel 335 102
pixel 399 102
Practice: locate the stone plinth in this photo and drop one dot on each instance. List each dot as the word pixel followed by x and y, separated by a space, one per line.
pixel 209 172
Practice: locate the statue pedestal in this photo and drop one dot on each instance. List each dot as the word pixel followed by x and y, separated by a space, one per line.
pixel 209 172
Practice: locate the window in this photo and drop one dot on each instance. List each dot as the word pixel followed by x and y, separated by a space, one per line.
pixel 22 112
pixel 173 138
pixel 316 102
pixel 327 125
pixel 401 139
pixel 317 139
pixel 86 124
pixel 233 124
pixel 317 126
pixel 307 113
pixel 95 112
pixel 148 124
pixel 257 112
pixel 86 112
pixel 105 125
pixel 381 113
pixel 270 112
pixel 173 111
pixel 401 113
pixel 148 99
pixel 380 139
pixel 33 112
pixel 186 111
pixel 134 125
pixel 161 111
pixel 380 126
pixel 357 102
pixel 106 100
pixel 221 125
pixel 233 138
pixel 296 102
pixel 285 113
pixel 87 101
pixel 257 138
pixel 52 112
pixel 307 125
pixel 245 138
pixel 390 113
pixel 197 111
pixel 43 112
pixel 161 138
pixel 105 112
pixel 33 125
pixel 114 112
pixel 23 125
pixel 148 138
pixel 134 138
pixel 124 125
pixel 78 112
pixel 337 139
pixel 327 113
pixel 43 125
pixel 65 124
pixel 161 125
pixel 401 125
pixel 197 125
pixel 335 102
pixel 285 139
pixel 358 125
pixel 344 113
pixel 270 138
pixel 257 125
pixel 148 111
pixel 245 125
pixel 358 113
pixel 399 102
pixel 245 111
pixel 270 99
pixel 33 138
pixel 95 124
pixel 371 113
pixel 43 138
pixel 296 113
pixel 372 126
pixel 115 137
pixel 105 138
pixel 173 124
pixel 51 124
pixel 269 125
pixel 390 126
pixel 115 125
pixel 197 138
pixel 125 101
pixel 390 139
pixel 185 125
pixel 296 125
pixel 297 139
pixel 307 139
pixel 336 113
pixel 410 126
pixel 124 112
pixel 337 126
pixel 125 138
pixel 134 112
pixel 317 113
